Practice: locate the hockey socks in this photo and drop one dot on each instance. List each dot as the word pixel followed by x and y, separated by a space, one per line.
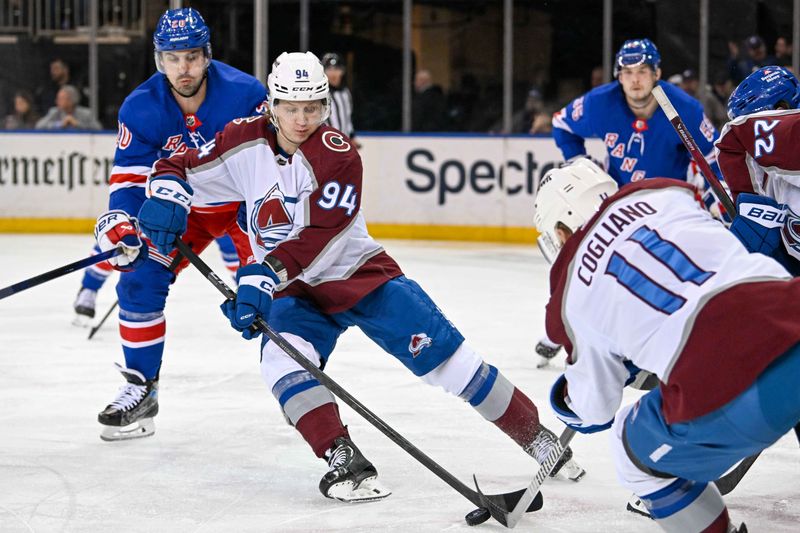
pixel 311 409
pixel 508 408
pixel 142 337
pixel 96 275
pixel 689 506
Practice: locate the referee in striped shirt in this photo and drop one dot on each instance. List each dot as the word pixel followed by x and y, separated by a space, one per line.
pixel 341 100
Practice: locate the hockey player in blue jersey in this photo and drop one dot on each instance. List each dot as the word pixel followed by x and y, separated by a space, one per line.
pixel 182 106
pixel 640 141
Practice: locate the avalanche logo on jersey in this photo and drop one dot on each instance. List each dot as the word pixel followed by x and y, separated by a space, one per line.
pixel 335 141
pixel 270 219
pixel 790 233
pixel 419 342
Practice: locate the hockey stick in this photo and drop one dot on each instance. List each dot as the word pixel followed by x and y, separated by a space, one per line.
pixel 728 482
pixel 497 504
pixel 532 491
pixel 58 272
pixel 694 150
pixel 103 320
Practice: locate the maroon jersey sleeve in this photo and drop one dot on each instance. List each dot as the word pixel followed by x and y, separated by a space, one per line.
pixel 333 206
pixel 235 134
pixel 763 140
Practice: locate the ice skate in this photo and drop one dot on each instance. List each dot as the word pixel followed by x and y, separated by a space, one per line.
pixel 637 506
pixel 351 477
pixel 130 415
pixel 566 466
pixel 84 307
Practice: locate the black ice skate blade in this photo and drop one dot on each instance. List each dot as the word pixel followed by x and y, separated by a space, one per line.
pixel 501 505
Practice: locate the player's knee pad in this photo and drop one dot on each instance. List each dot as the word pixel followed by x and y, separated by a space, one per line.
pixel 145 289
pixel 275 363
pixel 455 372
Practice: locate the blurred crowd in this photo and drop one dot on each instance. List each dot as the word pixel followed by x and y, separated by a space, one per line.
pixel 59 102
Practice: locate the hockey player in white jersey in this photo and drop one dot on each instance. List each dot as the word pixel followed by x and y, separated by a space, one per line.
pixel 316 272
pixel 644 278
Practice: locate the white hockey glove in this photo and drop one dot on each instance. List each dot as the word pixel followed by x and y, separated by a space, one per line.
pixel 115 229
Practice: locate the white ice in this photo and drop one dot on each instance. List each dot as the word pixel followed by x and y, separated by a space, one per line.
pixel 223 459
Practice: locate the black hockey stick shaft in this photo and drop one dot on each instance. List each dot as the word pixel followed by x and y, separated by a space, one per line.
pixel 728 482
pixel 58 272
pixel 99 325
pixel 499 503
pixel 694 150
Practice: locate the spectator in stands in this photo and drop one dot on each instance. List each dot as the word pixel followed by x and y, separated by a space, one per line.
pixel 24 116
pixel 428 109
pixel 757 57
pixel 67 114
pixel 59 77
pixel 689 82
pixel 783 52
pixel 341 100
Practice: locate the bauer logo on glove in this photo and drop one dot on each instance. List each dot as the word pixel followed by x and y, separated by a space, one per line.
pixel 116 229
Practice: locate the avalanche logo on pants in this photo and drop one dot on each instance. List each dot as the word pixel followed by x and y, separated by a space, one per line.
pixel 270 219
pixel 418 343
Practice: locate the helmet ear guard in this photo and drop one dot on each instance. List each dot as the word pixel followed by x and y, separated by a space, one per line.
pixel 567 198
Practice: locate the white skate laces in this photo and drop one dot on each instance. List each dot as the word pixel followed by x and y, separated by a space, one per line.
pixel 129 396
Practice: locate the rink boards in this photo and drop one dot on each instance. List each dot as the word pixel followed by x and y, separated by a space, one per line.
pixel 464 187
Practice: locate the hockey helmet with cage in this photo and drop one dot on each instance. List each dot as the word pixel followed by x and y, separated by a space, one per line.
pixel 298 77
pixel 764 89
pixel 636 52
pixel 181 29
pixel 569 195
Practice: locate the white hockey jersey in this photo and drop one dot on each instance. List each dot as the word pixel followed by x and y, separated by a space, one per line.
pixel 653 279
pixel 303 209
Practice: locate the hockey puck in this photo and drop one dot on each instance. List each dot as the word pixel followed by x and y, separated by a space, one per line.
pixel 478 516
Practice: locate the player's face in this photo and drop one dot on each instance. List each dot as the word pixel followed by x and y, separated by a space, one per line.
pixel 638 81
pixel 297 121
pixel 185 69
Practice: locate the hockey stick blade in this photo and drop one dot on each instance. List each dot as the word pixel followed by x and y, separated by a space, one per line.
pixel 58 272
pixel 499 505
pixel 728 482
pixel 495 503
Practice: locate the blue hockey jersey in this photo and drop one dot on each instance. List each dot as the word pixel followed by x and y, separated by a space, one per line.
pixel 152 126
pixel 637 148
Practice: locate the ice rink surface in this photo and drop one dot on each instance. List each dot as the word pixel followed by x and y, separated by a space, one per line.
pixel 223 459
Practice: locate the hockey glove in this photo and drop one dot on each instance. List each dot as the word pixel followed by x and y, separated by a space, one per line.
pixel 115 229
pixel 163 215
pixel 759 223
pixel 558 400
pixel 253 298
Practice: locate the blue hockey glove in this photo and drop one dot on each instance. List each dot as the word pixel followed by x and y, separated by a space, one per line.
pixel 115 229
pixel 253 298
pixel 163 215
pixel 759 223
pixel 558 401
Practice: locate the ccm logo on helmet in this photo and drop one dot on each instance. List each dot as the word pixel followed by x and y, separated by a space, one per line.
pixel 334 140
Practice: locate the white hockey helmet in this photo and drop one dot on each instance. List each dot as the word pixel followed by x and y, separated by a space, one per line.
pixel 569 195
pixel 298 77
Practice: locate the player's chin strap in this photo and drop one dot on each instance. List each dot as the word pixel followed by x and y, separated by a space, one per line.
pixel 499 504
pixel 199 86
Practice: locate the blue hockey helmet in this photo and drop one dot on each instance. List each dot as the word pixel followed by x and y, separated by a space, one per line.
pixel 764 89
pixel 181 29
pixel 636 52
